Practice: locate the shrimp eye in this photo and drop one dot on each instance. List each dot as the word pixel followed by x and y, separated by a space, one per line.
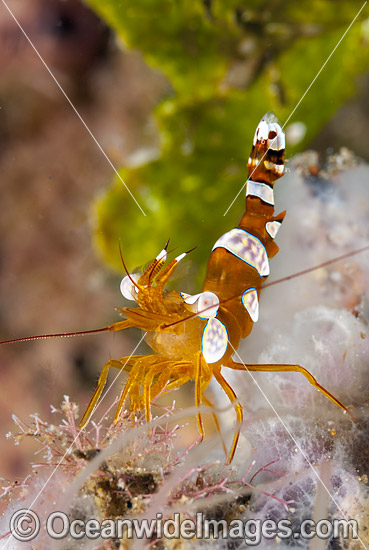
pixel 205 304
pixel 127 288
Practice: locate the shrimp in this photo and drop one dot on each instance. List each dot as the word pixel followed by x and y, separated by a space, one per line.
pixel 198 345
pixel 194 336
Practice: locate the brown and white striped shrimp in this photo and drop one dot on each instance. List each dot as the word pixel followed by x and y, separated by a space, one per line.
pixel 194 336
pixel 196 347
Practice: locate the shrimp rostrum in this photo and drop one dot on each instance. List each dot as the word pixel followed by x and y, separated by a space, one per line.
pixel 195 336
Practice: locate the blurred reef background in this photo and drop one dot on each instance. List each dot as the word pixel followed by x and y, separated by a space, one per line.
pixel 173 92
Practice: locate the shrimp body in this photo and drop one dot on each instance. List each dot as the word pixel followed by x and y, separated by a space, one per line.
pixel 181 341
pixel 194 336
pixel 239 262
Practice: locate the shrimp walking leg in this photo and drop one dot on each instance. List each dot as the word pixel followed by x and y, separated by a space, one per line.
pixel 170 375
pixel 99 389
pixel 198 393
pixel 137 371
pixel 149 378
pixel 287 368
pixel 237 407
pixel 216 422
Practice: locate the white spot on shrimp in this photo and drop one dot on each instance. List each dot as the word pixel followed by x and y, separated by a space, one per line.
pixel 214 341
pixel 127 288
pixel 251 303
pixel 205 304
pixel 273 228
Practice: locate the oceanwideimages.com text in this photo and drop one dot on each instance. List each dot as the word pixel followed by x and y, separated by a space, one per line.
pixel 25 525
